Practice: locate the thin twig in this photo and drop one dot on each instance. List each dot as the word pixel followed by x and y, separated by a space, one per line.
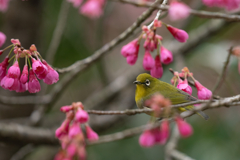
pixel 202 14
pixel 223 74
pixel 172 143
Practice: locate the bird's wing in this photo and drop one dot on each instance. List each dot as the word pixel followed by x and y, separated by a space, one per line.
pixel 175 95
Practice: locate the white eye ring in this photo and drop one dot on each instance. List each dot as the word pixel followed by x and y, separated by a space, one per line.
pixel 147 82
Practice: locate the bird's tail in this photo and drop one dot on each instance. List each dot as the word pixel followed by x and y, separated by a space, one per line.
pixel 200 113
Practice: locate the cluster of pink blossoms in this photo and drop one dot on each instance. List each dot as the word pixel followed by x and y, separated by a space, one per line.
pixel 70 134
pixel 227 4
pixel 202 92
pixel 160 134
pixel 91 8
pixel 13 80
pixel 153 42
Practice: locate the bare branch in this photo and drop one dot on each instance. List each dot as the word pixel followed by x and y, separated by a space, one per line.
pixel 202 14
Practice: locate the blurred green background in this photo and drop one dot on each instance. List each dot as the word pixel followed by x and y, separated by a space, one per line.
pixel 33 22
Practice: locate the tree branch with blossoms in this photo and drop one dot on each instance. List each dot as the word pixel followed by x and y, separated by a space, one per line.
pixel 75 133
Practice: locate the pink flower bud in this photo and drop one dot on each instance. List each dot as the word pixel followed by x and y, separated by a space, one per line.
pixel 166 56
pixel 131 59
pixel 71 150
pixel 14 71
pixel 33 84
pixel 164 131
pixel 184 128
pixel 157 70
pixel 91 135
pixel 24 76
pixel 178 34
pixel 66 108
pixel 2 38
pixel 38 67
pixel 22 87
pixel 16 41
pixel 81 116
pixel 178 11
pixel 74 130
pixel 52 75
pixel 131 48
pixel 92 9
pixel 3 68
pixel 63 129
pixel 148 61
pixel 147 139
pixel 157 23
pixel 183 85
pixel 203 93
pixel 11 84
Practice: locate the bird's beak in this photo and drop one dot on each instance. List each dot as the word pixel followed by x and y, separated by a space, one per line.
pixel 137 82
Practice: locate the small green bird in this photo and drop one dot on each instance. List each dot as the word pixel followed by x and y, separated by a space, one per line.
pixel 146 86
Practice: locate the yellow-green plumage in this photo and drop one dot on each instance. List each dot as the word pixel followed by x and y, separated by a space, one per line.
pixel 175 95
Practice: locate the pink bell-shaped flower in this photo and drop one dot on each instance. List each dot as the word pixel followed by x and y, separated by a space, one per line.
pixel 24 76
pixel 183 85
pixel 33 84
pixel 166 56
pixel 147 139
pixel 202 92
pixel 178 34
pixel 148 61
pixel 81 116
pixel 184 128
pixel 131 48
pixel 157 70
pixel 91 135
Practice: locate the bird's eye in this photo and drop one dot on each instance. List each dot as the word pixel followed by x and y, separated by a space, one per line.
pixel 147 82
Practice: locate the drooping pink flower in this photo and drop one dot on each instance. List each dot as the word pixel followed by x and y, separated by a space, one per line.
pixel 166 55
pixel 66 108
pixel 9 83
pixel 164 131
pixel 203 93
pixel 24 76
pixel 2 37
pixel 178 11
pixel 131 48
pixel 22 87
pixel 81 116
pixel 157 70
pixel 52 75
pixel 38 67
pixel 183 85
pixel 131 60
pixel 91 135
pixel 147 139
pixel 92 9
pixel 148 61
pixel 33 84
pixel 3 68
pixel 14 70
pixel 178 34
pixel 74 130
pixel 184 128
pixel 76 3
pixel 63 129
pixel 4 5
pixel 71 150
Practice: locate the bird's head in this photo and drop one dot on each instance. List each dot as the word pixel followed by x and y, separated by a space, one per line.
pixel 144 86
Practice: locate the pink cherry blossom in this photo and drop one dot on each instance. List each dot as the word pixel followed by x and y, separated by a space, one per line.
pixel 178 34
pixel 24 76
pixel 131 59
pixel 157 70
pixel 74 130
pixel 178 11
pixel 3 68
pixel 92 9
pixel 33 84
pixel 147 139
pixel 166 55
pixel 52 75
pixel 81 116
pixel 66 108
pixel 183 85
pixel 14 70
pixel 202 92
pixel 2 37
pixel 91 135
pixel 131 48
pixel 22 87
pixel 184 128
pixel 4 5
pixel 38 67
pixel 148 61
